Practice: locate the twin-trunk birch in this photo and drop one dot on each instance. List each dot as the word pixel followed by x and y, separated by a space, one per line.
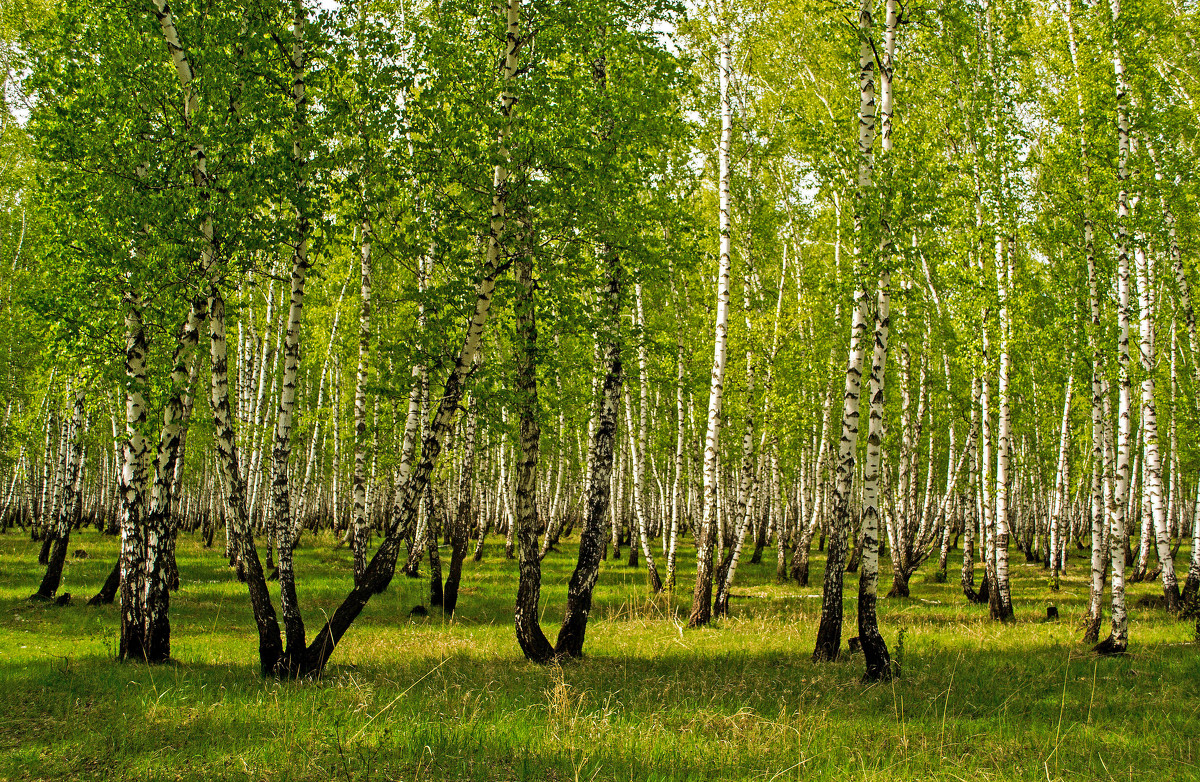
pixel 829 633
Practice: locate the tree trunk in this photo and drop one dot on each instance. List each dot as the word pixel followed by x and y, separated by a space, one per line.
pixel 71 458
pixel 875 651
pixel 1152 460
pixel 270 646
pixel 133 531
pixel 637 445
pixel 293 621
pixel 702 594
pixel 359 521
pixel 591 537
pixel 829 633
pixel 461 523
pixel 530 637
pixel 1002 606
pixel 1118 639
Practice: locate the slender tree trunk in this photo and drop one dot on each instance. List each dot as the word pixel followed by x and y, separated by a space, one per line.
pixel 875 651
pixel 1152 461
pixel 1100 470
pixel 676 485
pixel 747 485
pixel 807 527
pixel 829 633
pixel 1191 587
pixel 591 537
pixel 1118 639
pixel 638 445
pixel 359 522
pixel 416 423
pixel 1002 607
pixel 71 458
pixel 133 531
pixel 1061 488
pixel 702 595
pixel 461 522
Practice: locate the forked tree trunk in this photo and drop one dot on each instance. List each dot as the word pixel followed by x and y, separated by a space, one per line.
pixel 829 633
pixel 155 578
pixel 270 645
pixel 293 621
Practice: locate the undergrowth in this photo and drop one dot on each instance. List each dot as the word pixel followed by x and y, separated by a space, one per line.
pixel 423 698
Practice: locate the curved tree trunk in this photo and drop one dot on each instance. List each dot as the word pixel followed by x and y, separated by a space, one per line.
pixel 270 645
pixel 71 457
pixel 460 524
pixel 592 536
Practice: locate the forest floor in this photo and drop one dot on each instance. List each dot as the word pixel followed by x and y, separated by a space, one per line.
pixel 430 699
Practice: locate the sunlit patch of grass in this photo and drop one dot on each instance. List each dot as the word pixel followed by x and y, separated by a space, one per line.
pixel 435 699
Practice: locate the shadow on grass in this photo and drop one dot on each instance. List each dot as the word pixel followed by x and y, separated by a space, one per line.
pixel 435 699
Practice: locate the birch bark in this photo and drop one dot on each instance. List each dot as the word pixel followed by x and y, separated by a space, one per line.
pixel 701 611
pixel 1152 459
pixel 829 633
pixel 1118 639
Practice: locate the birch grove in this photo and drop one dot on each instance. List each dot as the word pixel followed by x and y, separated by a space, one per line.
pixel 622 277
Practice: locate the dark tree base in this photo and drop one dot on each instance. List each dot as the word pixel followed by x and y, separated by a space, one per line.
pixel 108 592
pixel 1109 648
pixel 899 587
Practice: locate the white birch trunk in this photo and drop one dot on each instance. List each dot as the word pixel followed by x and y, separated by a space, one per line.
pixel 702 596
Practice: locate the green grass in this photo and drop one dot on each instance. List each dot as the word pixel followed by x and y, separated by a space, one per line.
pixel 426 699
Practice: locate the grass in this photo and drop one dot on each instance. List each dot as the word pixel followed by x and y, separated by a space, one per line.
pixel 427 699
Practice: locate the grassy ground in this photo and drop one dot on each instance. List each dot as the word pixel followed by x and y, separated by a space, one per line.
pixel 427 699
